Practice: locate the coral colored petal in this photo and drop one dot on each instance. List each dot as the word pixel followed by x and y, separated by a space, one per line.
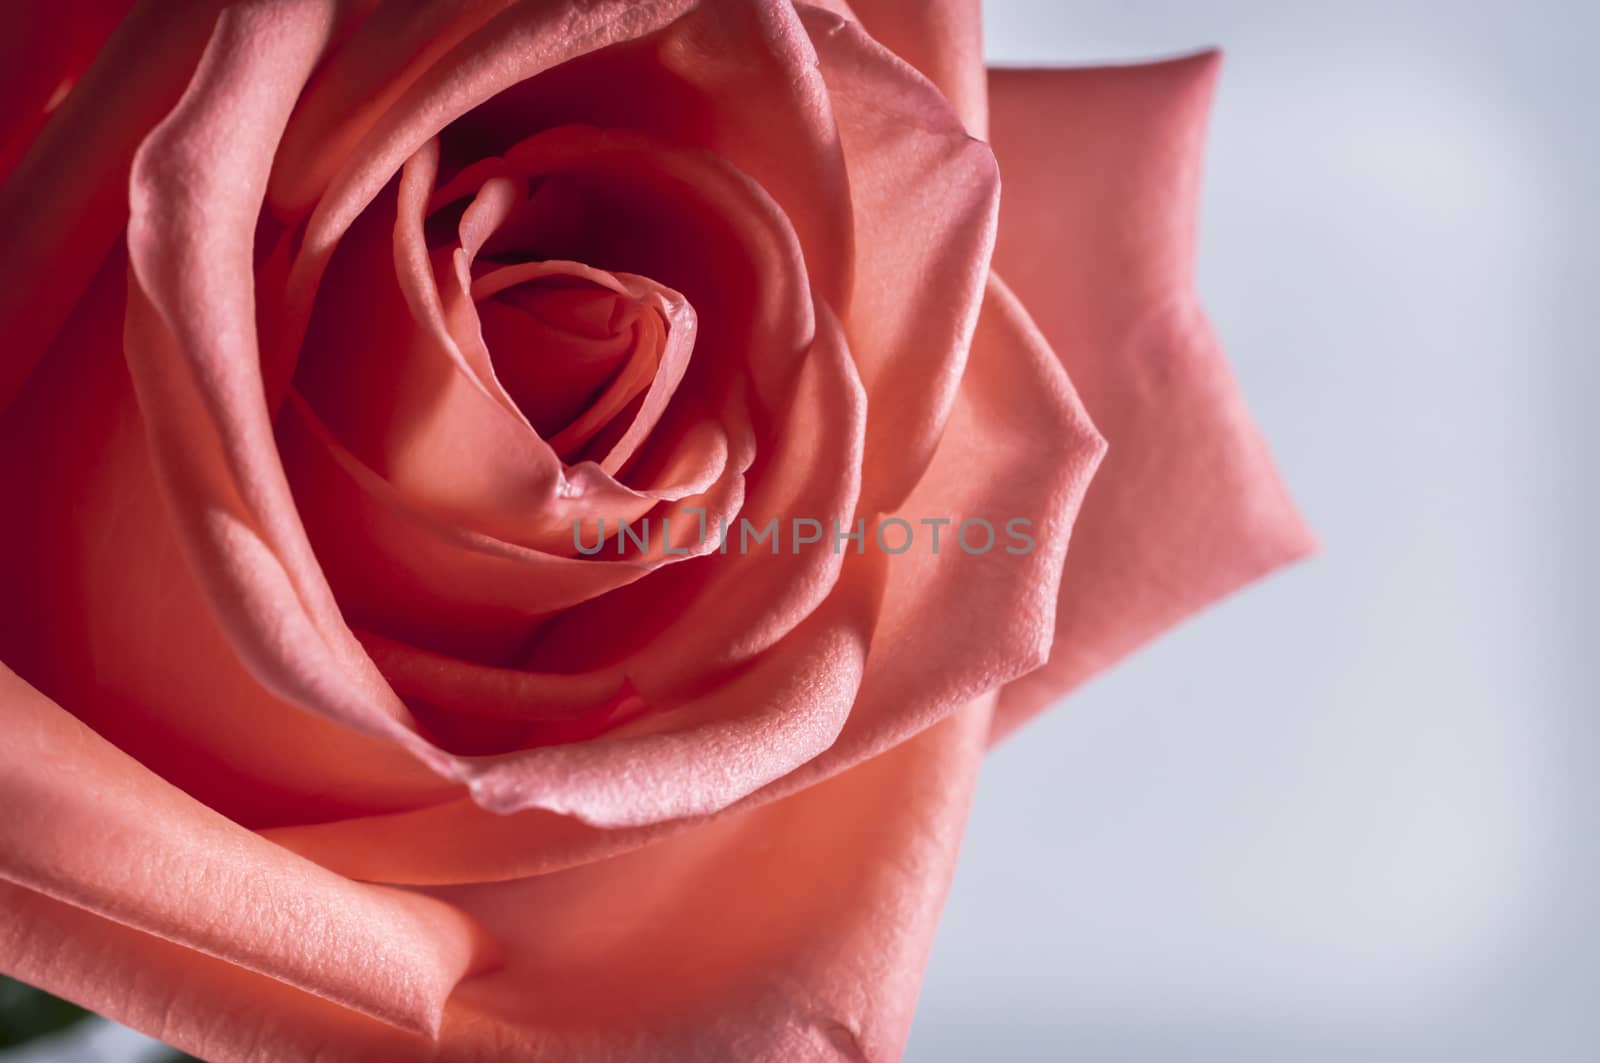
pixel 944 40
pixel 415 577
pixel 700 757
pixel 665 315
pixel 809 922
pixel 521 41
pixel 925 196
pixel 105 614
pixel 734 78
pixel 192 352
pixel 793 931
pixel 1097 234
pixel 362 79
pixel 684 625
pixel 1019 446
pixel 214 1009
pixel 697 225
pixel 91 827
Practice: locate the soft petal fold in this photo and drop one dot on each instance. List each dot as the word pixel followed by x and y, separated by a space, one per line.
pixel 105 614
pixel 91 827
pixel 520 40
pixel 735 78
pixel 193 354
pixel 715 613
pixel 809 922
pixel 944 40
pixel 925 195
pixel 696 758
pixel 1097 234
pixel 798 930
pixel 1019 447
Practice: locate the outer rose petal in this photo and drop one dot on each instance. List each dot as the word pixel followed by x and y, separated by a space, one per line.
pixel 941 38
pixel 90 826
pixel 925 196
pixel 794 931
pixel 1097 235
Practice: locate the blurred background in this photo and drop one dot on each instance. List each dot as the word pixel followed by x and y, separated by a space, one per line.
pixel 1348 814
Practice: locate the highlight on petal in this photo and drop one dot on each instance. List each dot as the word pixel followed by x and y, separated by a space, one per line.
pixel 194 358
pixel 1097 236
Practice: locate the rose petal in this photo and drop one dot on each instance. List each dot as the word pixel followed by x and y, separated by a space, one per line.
pixel 925 196
pixel 944 40
pixel 426 411
pixel 483 691
pixel 414 577
pixel 796 930
pixel 213 1008
pixel 90 826
pixel 700 618
pixel 105 615
pixel 519 42
pixel 193 355
pixel 695 223
pixel 1019 446
pixel 1097 233
pixel 364 77
pixel 734 78
pixel 697 758
pixel 663 325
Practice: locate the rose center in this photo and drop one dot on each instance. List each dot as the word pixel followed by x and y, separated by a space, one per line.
pixel 576 357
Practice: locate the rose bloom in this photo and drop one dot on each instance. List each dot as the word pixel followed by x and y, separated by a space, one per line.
pixel 327 324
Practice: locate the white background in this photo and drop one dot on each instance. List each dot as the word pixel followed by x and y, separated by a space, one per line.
pixel 1346 814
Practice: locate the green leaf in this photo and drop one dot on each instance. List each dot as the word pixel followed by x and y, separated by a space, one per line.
pixel 27 1013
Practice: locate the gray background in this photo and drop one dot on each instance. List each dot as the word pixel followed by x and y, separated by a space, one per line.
pixel 1346 814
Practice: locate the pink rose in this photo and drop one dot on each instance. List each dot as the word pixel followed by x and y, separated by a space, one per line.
pixel 343 340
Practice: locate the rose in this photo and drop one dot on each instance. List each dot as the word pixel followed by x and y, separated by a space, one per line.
pixel 325 323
